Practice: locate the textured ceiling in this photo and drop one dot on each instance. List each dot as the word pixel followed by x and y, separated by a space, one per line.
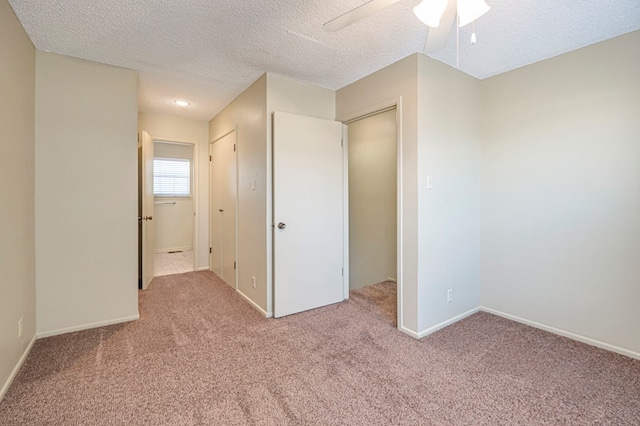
pixel 209 51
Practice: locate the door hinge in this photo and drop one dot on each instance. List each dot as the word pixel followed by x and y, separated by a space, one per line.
pixel 138 137
pixel 234 147
pixel 343 272
pixel 210 250
pixel 341 142
pixel 234 265
pixel 209 158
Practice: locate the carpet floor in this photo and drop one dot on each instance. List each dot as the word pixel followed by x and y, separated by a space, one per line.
pixel 200 355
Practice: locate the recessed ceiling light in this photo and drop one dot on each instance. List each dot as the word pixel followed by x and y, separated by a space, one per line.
pixel 182 103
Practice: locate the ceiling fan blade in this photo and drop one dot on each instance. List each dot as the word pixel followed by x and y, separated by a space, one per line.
pixel 437 37
pixel 358 13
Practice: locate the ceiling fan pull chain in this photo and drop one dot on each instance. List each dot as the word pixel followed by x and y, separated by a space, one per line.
pixel 473 33
pixel 458 42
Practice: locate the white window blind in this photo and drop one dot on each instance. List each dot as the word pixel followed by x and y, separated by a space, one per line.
pixel 171 177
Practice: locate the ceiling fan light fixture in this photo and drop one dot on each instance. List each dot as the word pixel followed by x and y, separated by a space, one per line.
pixel 470 10
pixel 430 11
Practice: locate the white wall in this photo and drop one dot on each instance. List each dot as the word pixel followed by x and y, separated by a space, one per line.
pixel 178 129
pixel 248 114
pixel 86 196
pixel 17 186
pixel 450 129
pixel 561 193
pixel 173 217
pixel 373 232
pixel 396 83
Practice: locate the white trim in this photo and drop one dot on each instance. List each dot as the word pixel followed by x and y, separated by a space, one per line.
pixel 393 280
pixel 409 332
pixel 204 268
pixel 345 212
pixel 16 369
pixel 86 326
pixel 564 333
pixel 255 305
pixel 167 250
pixel 444 324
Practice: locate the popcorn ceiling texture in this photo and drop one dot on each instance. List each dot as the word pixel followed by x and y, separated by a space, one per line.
pixel 209 51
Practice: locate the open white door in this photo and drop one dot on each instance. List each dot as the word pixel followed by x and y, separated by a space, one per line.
pixel 308 211
pixel 223 208
pixel 147 209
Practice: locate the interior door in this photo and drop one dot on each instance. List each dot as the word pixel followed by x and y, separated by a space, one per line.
pixel 223 208
pixel 308 207
pixel 147 209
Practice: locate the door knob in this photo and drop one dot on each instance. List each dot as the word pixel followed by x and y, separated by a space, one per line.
pixel 150 217
pixel 282 225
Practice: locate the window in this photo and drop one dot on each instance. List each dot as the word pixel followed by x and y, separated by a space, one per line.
pixel 171 177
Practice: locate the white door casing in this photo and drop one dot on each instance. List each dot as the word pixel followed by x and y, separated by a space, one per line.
pixel 308 211
pixel 223 208
pixel 147 209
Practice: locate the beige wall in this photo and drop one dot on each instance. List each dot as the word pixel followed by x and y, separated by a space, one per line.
pixel 440 128
pixel 397 83
pixel 561 193
pixel 248 115
pixel 251 115
pixel 17 186
pixel 178 129
pixel 450 129
pixel 372 199
pixel 86 196
pixel 173 217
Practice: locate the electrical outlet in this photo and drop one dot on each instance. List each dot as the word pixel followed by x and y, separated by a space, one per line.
pixel 20 328
pixel 450 295
pixel 253 281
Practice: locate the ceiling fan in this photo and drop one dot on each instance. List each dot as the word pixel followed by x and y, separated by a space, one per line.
pixel 439 15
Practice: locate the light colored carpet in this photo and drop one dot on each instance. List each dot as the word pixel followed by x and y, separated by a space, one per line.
pixel 200 355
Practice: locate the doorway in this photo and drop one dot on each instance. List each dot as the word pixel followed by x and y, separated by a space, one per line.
pixel 174 207
pixel 373 208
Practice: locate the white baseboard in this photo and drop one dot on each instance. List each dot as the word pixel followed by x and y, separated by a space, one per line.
pixel 409 332
pixel 203 268
pixel 86 326
pixel 393 280
pixel 564 333
pixel 430 330
pixel 255 305
pixel 16 369
pixel 167 250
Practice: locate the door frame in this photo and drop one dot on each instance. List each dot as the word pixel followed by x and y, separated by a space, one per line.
pixel 358 115
pixel 195 189
pixel 224 135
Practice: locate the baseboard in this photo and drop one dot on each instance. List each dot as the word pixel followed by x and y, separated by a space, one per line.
pixel 393 280
pixel 450 321
pixel 203 268
pixel 16 369
pixel 430 330
pixel 564 333
pixel 255 305
pixel 167 250
pixel 86 326
pixel 409 332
